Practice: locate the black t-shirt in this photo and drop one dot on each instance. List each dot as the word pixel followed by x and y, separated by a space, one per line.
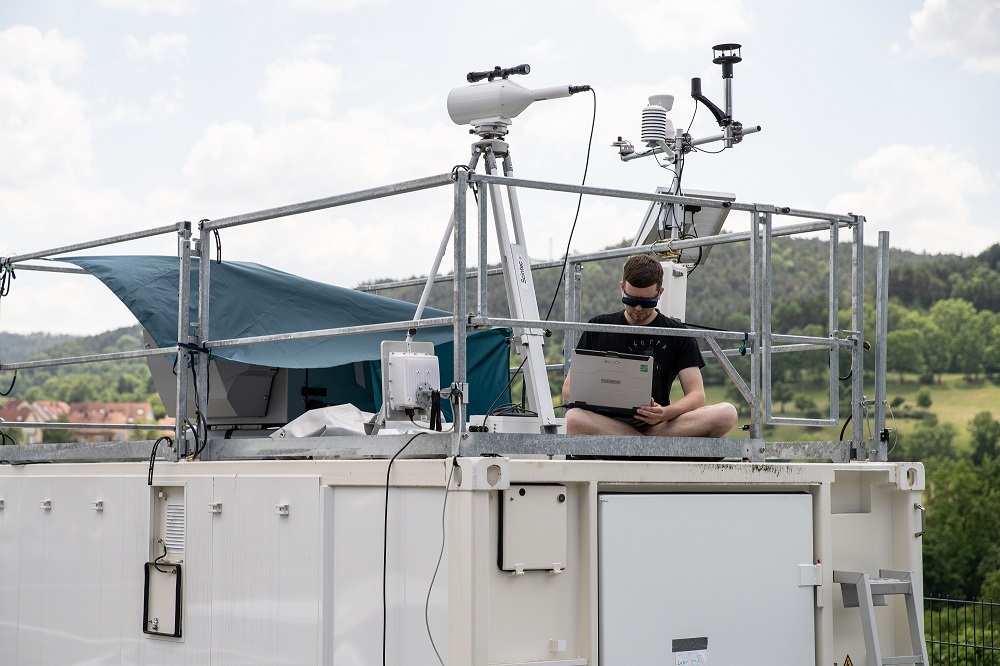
pixel 671 354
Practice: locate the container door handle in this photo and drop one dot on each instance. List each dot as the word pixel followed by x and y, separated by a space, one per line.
pixel 923 520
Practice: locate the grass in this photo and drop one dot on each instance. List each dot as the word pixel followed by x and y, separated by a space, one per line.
pixel 954 400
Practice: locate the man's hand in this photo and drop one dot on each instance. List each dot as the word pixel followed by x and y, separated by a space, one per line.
pixel 652 413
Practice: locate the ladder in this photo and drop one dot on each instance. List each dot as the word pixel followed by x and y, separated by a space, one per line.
pixel 862 592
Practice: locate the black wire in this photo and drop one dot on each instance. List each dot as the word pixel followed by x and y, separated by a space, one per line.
pixel 152 457
pixel 503 390
pixel 218 245
pixel 844 429
pixel 431 427
pixel 200 418
pixel 688 130
pixel 437 567
pixel 156 562
pixel 7 276
pixel 11 387
pixel 700 249
pixel 576 217
pixel 385 540
pixel 4 437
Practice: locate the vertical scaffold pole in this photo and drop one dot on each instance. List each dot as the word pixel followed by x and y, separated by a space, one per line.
pixel 881 331
pixel 183 333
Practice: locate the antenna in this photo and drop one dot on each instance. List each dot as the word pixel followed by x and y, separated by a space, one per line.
pixel 658 131
pixel 665 221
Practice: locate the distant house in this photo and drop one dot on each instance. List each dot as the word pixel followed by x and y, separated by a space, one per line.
pixel 110 414
pixel 40 411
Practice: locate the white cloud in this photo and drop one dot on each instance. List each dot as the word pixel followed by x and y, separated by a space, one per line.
pixel 920 194
pixel 27 53
pixel 160 105
pixel 157 48
pixel 302 84
pixel 967 29
pixel 331 5
pixel 44 134
pixel 680 25
pixel 148 7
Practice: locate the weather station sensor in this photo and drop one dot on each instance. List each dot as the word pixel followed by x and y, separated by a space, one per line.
pixel 670 221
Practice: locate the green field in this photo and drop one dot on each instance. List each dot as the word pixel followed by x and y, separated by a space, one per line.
pixel 954 400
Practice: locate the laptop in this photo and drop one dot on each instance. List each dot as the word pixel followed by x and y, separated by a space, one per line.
pixel 610 383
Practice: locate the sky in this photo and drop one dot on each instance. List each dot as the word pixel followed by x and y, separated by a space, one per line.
pixel 123 115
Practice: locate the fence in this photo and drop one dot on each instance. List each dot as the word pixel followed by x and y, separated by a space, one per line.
pixel 961 632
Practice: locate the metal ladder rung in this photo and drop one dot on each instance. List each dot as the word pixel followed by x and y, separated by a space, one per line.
pixel 863 592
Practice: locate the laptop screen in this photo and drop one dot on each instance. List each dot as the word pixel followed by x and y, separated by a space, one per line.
pixel 610 383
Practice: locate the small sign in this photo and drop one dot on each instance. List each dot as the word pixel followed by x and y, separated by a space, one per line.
pixel 644 367
pixel 692 658
pixel 690 651
pixel 847 661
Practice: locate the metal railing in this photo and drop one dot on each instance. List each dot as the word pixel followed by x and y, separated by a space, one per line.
pixel 761 342
pixel 960 632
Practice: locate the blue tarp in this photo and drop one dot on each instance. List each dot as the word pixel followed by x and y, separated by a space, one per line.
pixel 248 299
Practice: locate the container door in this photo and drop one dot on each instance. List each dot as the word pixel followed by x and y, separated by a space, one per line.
pixel 705 579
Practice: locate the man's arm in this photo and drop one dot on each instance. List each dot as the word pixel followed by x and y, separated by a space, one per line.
pixel 694 391
pixel 565 389
pixel 694 397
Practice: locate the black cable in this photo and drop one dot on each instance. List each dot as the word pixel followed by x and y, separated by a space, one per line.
pixel 512 408
pixel 156 562
pixel 218 245
pixel 11 387
pixel 385 540
pixel 4 437
pixel 437 567
pixel 436 411
pixel 430 427
pixel 200 418
pixel 576 217
pixel 7 276
pixel 688 130
pixel 152 457
pixel 502 391
pixel 692 236
pixel 844 429
pixel 472 186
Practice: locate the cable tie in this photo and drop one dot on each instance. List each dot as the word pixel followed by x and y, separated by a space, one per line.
pixel 668 252
pixel 743 347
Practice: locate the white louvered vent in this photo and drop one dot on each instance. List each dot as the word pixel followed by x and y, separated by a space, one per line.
pixel 174 533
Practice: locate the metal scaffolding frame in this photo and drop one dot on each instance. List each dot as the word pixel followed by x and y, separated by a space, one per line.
pixel 760 342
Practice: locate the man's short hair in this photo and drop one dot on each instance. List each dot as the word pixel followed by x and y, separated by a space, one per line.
pixel 642 270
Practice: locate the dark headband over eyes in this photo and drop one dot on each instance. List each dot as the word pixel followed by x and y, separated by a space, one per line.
pixel 647 303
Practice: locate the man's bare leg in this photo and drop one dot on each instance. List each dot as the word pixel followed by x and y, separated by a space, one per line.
pixel 708 421
pixel 582 422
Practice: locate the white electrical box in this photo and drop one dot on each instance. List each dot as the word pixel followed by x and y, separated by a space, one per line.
pixel 533 528
pixel 673 301
pixel 521 423
pixel 411 377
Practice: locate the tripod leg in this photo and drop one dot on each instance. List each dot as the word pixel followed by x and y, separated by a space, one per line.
pixel 441 250
pixel 522 300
